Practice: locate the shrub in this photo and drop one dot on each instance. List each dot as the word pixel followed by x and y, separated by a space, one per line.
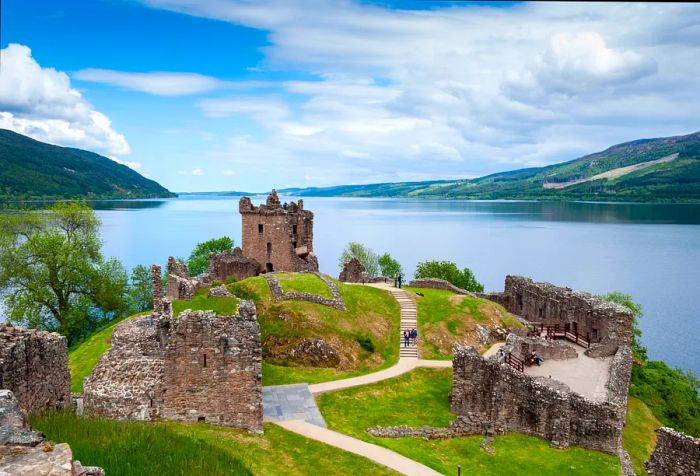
pixel 199 258
pixel 389 266
pixel 365 342
pixel 215 283
pixel 231 279
pixel 449 271
pixel 365 255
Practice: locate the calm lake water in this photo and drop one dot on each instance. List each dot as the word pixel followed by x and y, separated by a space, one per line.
pixel 649 251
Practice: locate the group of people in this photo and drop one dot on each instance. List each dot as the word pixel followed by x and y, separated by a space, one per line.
pixel 398 279
pixel 409 337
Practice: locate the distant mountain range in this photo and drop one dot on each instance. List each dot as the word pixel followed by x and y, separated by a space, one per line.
pixel 31 170
pixel 664 170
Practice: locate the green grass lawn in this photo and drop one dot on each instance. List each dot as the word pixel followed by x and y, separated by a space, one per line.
pixel 303 283
pixel 639 437
pixel 83 357
pixel 172 448
pixel 224 306
pixel 421 398
pixel 445 317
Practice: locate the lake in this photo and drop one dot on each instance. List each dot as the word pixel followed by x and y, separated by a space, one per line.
pixel 651 251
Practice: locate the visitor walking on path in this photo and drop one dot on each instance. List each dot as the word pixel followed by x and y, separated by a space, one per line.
pixel 414 336
pixel 396 279
pixel 406 338
pixel 399 278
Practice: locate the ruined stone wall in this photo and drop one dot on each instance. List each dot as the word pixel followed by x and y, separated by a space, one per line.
pixel 34 366
pixel 213 369
pixel 606 325
pixel 127 382
pixel 676 454
pixel 279 237
pixel 435 283
pixel 156 368
pixel 496 398
pixel 353 272
pixel 279 295
pixel 232 263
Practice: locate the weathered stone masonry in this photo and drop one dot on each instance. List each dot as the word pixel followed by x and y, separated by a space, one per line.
pixel 607 326
pixel 676 454
pixel 34 366
pixel 494 397
pixel 353 272
pixel 279 237
pixel 197 366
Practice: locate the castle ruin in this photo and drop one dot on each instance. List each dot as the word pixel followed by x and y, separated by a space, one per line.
pixel 197 366
pixel 278 236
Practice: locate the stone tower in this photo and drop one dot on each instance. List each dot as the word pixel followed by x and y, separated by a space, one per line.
pixel 280 237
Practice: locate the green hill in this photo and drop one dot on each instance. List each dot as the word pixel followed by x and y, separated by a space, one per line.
pixel 30 169
pixel 665 169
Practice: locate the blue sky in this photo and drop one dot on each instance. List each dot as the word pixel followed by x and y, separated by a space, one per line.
pixel 206 95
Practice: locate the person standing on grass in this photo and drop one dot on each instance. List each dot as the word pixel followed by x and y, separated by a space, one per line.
pixel 406 338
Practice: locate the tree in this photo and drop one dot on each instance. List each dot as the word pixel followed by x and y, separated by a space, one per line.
pixel 199 258
pixel 625 300
pixel 449 271
pixel 52 271
pixel 365 255
pixel 389 266
pixel 140 289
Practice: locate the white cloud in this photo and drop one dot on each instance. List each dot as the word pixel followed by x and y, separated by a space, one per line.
pixel 455 91
pixel 197 172
pixel 40 102
pixel 159 83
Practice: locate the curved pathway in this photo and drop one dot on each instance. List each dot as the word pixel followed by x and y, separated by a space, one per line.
pixel 408 360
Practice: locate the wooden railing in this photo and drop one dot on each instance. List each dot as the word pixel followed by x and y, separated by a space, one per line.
pixel 515 362
pixel 552 332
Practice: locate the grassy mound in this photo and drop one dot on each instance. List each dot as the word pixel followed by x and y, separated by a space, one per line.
pixel 303 283
pixel 362 336
pixel 639 437
pixel 421 398
pixel 224 306
pixel 140 448
pixel 445 317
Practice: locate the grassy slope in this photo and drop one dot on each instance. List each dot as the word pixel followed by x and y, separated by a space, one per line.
pixel 421 398
pixel 639 437
pixel 370 313
pixel 171 448
pixel 445 317
pixel 303 283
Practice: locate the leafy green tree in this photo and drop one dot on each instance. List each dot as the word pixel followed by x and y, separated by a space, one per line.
pixel 199 258
pixel 625 300
pixel 140 289
pixel 449 271
pixel 389 266
pixel 365 255
pixel 52 272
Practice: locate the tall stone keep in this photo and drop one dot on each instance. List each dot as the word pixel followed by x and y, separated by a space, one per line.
pixel 280 237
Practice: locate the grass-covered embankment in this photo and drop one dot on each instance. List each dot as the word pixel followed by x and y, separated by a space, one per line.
pixel 445 317
pixel 363 335
pixel 639 437
pixel 171 448
pixel 303 283
pixel 421 398
pixel 224 306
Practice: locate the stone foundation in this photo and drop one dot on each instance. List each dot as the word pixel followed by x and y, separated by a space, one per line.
pixel 196 367
pixel 676 454
pixel 279 295
pixel 435 283
pixel 606 326
pixel 232 263
pixel 34 366
pixel 495 398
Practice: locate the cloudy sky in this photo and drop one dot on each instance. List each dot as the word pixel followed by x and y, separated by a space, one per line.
pixel 206 95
